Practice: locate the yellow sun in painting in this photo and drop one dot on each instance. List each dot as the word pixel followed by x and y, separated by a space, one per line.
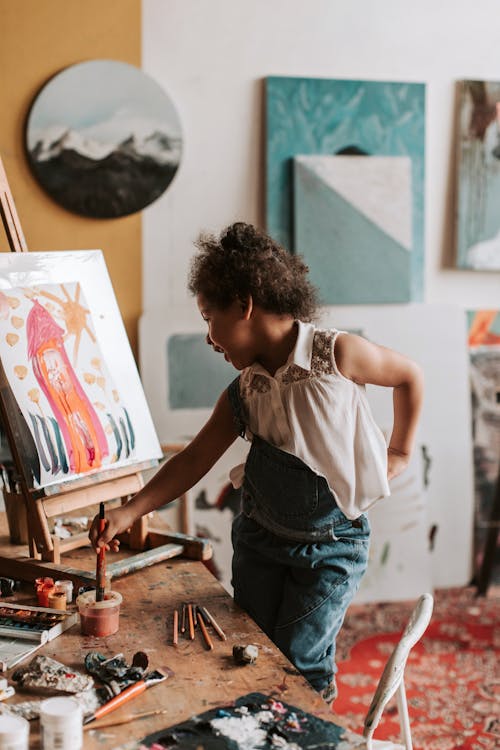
pixel 74 315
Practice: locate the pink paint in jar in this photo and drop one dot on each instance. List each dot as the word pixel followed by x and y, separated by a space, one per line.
pixel 99 618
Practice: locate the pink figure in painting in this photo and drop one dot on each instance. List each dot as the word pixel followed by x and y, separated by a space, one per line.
pixel 82 432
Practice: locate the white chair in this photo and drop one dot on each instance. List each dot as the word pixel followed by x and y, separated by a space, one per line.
pixel 392 679
pixel 392 682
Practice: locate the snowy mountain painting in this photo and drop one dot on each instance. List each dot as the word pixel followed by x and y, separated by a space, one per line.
pixel 103 139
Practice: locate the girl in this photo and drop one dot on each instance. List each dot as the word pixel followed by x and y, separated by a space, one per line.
pixel 317 459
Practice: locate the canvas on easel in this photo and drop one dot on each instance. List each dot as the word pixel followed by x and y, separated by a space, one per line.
pixel 71 403
pixel 77 402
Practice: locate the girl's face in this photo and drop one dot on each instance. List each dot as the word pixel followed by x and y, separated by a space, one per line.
pixel 229 332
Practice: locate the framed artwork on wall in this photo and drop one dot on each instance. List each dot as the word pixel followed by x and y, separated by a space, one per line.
pixel 103 139
pixel 345 184
pixel 478 176
pixel 71 391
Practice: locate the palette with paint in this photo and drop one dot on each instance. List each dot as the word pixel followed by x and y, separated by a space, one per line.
pixel 252 721
pixel 34 623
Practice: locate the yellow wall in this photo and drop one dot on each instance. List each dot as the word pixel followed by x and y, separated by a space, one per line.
pixel 38 38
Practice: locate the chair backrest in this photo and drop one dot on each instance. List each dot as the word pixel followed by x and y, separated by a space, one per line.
pixel 392 675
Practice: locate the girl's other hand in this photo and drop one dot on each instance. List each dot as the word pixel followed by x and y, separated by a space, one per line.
pixel 397 462
pixel 117 521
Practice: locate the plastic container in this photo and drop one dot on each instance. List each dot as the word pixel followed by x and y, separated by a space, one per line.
pixel 14 732
pixel 99 618
pixel 44 587
pixel 61 721
pixel 67 586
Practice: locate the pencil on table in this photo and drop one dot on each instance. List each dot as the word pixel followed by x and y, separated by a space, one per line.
pixel 203 629
pixel 195 617
pixel 175 637
pixel 183 619
pixel 190 621
pixel 214 624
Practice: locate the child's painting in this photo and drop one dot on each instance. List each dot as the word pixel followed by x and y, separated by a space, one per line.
pixel 478 173
pixel 346 159
pixel 484 353
pixel 103 138
pixel 73 396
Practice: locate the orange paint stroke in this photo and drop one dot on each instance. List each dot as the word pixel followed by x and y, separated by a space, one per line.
pixel 74 316
pixel 479 331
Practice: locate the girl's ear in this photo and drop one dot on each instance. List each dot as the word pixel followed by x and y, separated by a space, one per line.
pixel 247 307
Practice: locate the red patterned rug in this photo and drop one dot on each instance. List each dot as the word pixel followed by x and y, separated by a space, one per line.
pixel 452 677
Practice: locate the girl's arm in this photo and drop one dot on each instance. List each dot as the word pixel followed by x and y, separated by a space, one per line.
pixel 175 477
pixel 365 362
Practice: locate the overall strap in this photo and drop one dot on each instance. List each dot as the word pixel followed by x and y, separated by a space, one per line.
pixel 233 392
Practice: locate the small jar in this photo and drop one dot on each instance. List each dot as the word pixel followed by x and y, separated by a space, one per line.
pixel 67 586
pixel 61 722
pixel 14 732
pixel 57 599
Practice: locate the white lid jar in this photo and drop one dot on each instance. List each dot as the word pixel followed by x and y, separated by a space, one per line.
pixel 14 732
pixel 61 724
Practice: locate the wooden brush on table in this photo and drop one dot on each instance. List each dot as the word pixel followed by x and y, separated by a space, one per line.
pixel 100 572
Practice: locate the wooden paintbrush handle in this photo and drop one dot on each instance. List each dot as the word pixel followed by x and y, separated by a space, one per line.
pixel 119 700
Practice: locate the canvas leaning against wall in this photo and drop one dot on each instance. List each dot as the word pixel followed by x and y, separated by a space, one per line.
pixel 71 392
pixel 484 353
pixel 183 378
pixel 425 527
pixel 478 174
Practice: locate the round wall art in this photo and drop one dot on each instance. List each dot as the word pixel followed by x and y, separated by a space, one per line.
pixel 103 139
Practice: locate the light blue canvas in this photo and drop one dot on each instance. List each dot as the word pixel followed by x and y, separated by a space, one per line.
pixel 351 259
pixel 196 374
pixel 328 116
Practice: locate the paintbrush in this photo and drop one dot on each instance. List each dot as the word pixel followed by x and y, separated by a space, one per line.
pixel 100 571
pixel 126 719
pixel 153 678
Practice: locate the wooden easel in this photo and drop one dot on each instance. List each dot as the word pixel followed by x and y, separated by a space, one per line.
pixel 45 549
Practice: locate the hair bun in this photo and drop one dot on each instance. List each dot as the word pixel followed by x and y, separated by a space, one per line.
pixel 238 236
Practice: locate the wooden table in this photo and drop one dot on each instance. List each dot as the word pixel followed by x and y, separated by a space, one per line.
pixel 201 679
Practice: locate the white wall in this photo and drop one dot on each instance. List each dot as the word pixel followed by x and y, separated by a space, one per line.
pixel 211 56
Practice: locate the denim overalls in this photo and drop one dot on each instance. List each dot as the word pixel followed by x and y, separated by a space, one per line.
pixel 298 560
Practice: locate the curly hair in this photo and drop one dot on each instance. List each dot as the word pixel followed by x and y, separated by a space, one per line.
pixel 244 261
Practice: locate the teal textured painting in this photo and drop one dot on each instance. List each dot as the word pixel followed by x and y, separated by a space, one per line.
pixel 478 194
pixel 196 376
pixel 328 117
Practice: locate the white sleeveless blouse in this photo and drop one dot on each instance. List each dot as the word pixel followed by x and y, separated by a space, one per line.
pixel 309 409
